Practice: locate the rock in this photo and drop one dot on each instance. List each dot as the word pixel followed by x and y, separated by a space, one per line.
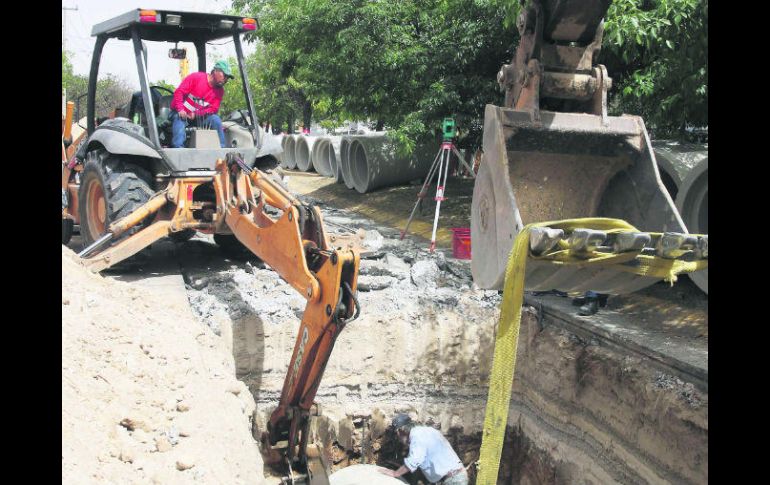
pixel 65 301
pixel 424 274
pixel 182 407
pixel 374 283
pixel 373 240
pixel 126 455
pixel 136 422
pixel 345 431
pixel 397 267
pixel 357 474
pixel 236 387
pixel 162 444
pixel 378 424
pixel 184 463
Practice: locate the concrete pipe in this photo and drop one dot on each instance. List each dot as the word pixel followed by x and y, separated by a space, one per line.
pixel 335 158
pixel 303 151
pixel 282 139
pixel 288 152
pixel 319 165
pixel 693 203
pixel 344 161
pixel 374 162
pixel 325 155
pixel 675 160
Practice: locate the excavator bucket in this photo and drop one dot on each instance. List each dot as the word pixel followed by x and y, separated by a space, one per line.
pixel 552 153
pixel 569 165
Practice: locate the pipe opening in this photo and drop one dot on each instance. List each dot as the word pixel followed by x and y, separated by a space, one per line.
pixel 302 155
pixel 288 152
pixel 359 166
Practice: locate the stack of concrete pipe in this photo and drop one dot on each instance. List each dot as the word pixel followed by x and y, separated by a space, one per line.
pixel 372 161
pixel 684 171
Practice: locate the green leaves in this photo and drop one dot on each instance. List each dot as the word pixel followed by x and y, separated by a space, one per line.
pixel 410 63
pixel 656 51
pixel 406 64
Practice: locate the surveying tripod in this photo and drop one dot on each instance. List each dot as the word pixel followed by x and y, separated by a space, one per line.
pixel 440 165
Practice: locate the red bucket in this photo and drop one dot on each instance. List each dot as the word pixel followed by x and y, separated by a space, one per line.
pixel 461 243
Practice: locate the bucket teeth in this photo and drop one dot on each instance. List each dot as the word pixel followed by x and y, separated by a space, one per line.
pixel 673 245
pixel 585 240
pixel 702 248
pixel 544 239
pixel 629 241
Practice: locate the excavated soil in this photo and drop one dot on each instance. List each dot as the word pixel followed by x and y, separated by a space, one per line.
pixel 149 394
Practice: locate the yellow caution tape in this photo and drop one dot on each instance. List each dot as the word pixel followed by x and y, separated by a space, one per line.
pixel 507 339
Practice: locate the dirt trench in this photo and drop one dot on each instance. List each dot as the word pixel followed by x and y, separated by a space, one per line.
pixel 583 410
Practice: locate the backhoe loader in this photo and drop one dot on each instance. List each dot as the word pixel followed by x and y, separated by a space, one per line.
pixel 130 189
pixel 551 152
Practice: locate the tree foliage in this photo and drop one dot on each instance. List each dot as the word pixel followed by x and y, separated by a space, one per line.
pixel 404 65
pixel 407 64
pixel 111 91
pixel 657 53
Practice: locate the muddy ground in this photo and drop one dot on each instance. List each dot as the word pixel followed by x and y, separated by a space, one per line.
pixel 617 399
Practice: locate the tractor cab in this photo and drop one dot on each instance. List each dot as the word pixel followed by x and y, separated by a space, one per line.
pixel 143 127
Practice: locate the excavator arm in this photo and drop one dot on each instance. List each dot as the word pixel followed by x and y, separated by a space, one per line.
pixel 296 246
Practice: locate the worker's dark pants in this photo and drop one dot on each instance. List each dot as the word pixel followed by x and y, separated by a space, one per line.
pixel 178 125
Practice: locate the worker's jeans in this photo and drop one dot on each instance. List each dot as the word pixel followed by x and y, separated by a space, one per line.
pixel 178 125
pixel 459 479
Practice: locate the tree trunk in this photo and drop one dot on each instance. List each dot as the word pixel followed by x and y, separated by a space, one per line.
pixel 307 114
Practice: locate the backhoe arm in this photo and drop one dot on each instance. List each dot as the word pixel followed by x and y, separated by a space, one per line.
pixel 290 237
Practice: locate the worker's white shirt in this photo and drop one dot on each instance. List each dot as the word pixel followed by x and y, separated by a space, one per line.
pixel 432 453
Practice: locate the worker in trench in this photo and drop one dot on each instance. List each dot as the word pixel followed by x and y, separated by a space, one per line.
pixel 429 451
pixel 197 100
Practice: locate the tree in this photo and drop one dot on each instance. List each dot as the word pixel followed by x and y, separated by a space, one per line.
pixel 408 64
pixel 404 64
pixel 657 53
pixel 111 91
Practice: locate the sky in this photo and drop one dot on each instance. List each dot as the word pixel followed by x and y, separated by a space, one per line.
pixel 117 56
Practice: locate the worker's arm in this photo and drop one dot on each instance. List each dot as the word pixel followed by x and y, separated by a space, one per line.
pixel 216 100
pixel 395 473
pixel 184 88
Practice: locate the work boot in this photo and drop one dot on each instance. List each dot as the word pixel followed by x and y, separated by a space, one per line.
pixel 590 308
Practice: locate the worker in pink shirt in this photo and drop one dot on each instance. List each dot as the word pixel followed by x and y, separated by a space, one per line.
pixel 197 99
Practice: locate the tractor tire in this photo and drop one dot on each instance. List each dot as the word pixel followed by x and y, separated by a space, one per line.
pixel 110 189
pixel 66 230
pixel 233 248
pixel 182 236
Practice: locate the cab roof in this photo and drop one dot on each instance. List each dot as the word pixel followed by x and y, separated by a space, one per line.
pixel 174 26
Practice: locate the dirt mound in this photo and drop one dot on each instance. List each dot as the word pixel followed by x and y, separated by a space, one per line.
pixel 149 394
